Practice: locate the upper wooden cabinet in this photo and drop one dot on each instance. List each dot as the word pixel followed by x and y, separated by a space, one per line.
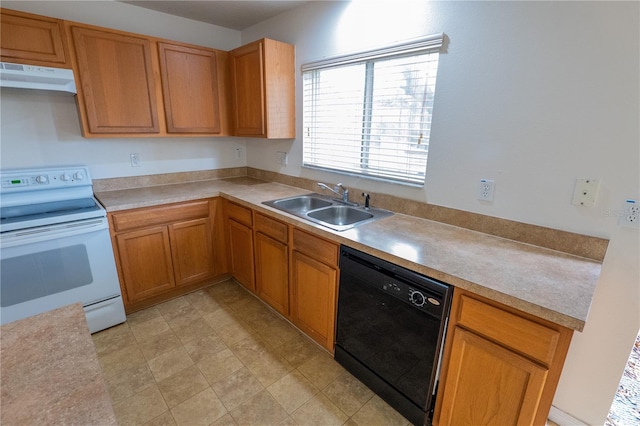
pixel 190 89
pixel 33 40
pixel 117 92
pixel 262 77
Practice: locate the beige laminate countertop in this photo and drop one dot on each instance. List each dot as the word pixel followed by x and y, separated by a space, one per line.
pixel 550 284
pixel 50 372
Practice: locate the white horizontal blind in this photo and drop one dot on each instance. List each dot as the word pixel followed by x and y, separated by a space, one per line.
pixel 370 113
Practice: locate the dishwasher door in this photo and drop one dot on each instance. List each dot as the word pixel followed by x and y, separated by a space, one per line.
pixel 390 330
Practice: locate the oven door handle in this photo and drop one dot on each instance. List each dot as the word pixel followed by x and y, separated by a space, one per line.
pixel 46 233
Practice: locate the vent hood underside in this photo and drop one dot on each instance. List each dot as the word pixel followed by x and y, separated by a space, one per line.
pixel 36 77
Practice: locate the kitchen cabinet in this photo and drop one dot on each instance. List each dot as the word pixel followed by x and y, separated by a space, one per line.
pixel 314 282
pixel 33 40
pixel 500 366
pixel 272 262
pixel 190 89
pixel 239 222
pixel 262 76
pixel 117 90
pixel 164 250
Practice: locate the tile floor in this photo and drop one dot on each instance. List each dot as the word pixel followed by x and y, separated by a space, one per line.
pixel 220 356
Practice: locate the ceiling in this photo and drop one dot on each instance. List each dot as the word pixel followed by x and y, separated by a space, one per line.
pixel 234 14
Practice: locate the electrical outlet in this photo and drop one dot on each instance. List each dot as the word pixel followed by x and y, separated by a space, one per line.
pixel 630 214
pixel 135 160
pixel 238 153
pixel 485 190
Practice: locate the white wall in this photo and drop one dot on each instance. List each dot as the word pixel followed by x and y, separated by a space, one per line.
pixel 41 128
pixel 532 95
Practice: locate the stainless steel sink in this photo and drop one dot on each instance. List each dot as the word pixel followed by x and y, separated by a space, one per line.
pixel 326 211
pixel 340 215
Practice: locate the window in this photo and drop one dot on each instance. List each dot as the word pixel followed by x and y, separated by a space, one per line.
pixel 370 113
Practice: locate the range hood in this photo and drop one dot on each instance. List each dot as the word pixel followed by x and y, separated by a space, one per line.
pixel 36 77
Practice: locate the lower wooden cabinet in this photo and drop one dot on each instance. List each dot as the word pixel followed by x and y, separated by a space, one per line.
pixel 272 262
pixel 239 226
pixel 161 250
pixel 500 366
pixel 314 283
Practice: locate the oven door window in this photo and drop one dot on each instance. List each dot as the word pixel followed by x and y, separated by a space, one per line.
pixel 41 274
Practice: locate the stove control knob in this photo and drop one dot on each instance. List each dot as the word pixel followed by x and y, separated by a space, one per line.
pixel 417 298
pixel 78 176
pixel 65 177
pixel 42 179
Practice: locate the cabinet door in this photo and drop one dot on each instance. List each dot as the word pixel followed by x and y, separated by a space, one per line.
pixel 247 90
pixel 241 253
pixel 117 85
pixel 32 39
pixel 272 272
pixel 488 384
pixel 191 250
pixel 145 259
pixel 190 89
pixel 314 298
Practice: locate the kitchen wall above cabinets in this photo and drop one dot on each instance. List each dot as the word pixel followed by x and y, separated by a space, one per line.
pixel 132 85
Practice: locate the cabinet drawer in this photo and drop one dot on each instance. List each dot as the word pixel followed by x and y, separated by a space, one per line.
pixel 316 247
pixel 239 213
pixel 515 332
pixel 161 214
pixel 272 227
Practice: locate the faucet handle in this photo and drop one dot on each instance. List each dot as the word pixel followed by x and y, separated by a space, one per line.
pixel 366 199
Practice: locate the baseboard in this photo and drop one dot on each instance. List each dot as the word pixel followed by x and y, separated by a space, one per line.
pixel 561 418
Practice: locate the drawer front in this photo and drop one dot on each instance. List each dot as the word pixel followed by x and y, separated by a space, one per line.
pixel 272 227
pixel 123 221
pixel 315 247
pixel 239 213
pixel 513 331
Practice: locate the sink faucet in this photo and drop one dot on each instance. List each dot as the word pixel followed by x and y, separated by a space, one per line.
pixel 336 190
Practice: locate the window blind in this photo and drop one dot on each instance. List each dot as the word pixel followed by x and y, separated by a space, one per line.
pixel 369 113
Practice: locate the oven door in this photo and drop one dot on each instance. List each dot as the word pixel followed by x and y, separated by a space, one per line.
pixel 48 267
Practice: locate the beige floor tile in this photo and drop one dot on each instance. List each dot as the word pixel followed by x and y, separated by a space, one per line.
pixel 348 393
pixel 203 302
pixel 262 409
pixel 181 316
pixel 140 408
pixel 222 317
pixel 233 390
pixel 159 344
pixel 182 386
pixel 234 333
pixel 228 292
pixel 292 391
pixel 172 305
pixel 129 382
pixel 114 363
pixel 201 409
pixel 319 410
pixel 376 412
pixel 193 330
pixel 142 316
pixel 270 367
pixel 149 329
pixel 249 349
pixel 299 350
pixel 204 347
pixel 113 339
pixel 164 419
pixel 170 363
pixel 219 366
pixel 288 422
pixel 321 370
pixel 225 420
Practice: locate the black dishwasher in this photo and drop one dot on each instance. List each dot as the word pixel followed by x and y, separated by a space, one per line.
pixel 390 331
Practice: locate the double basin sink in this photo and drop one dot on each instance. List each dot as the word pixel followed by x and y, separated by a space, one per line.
pixel 329 212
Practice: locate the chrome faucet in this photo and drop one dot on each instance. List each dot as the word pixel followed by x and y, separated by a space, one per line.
pixel 336 190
